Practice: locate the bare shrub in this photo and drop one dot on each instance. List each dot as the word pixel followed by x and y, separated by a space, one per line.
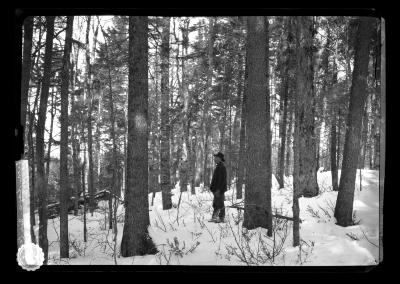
pixel 254 247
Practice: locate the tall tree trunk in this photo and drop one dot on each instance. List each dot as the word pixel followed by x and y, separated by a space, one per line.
pixel 52 115
pixel 192 167
pixel 84 185
pixel 114 145
pixel 344 203
pixel 333 138
pixel 304 172
pixel 89 121
pixel 258 211
pixel 297 192
pixel 74 139
pixel 334 114
pixel 320 100
pixel 99 95
pixel 64 179
pixel 136 239
pixel 76 167
pixel 31 141
pixel 242 142
pixel 165 124
pixel 376 131
pixel 40 181
pixel 115 187
pixel 26 68
pixel 186 178
pixel 235 144
pixel 339 124
pixel 83 170
pixel 207 103
pixel 32 162
pixel 289 139
pixel 283 115
pixel 296 177
pixel 229 151
pixel 364 140
pixel 304 111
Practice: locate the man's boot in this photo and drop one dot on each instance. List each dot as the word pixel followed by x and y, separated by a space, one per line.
pixel 215 217
pixel 221 215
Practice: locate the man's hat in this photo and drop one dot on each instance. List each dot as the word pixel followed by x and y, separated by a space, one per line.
pixel 220 155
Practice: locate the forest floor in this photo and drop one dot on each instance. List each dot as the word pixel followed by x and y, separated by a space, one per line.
pixel 185 237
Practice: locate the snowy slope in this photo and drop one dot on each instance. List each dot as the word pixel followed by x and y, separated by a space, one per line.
pixel 186 238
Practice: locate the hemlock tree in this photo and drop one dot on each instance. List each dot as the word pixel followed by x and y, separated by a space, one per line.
pixel 305 113
pixel 89 121
pixel 358 94
pixel 136 239
pixel 257 197
pixel 64 182
pixel 41 186
pixel 304 154
pixel 165 127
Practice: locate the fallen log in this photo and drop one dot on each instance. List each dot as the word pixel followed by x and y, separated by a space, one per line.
pixel 53 209
pixel 276 215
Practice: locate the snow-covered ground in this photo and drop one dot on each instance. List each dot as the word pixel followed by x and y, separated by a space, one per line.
pixel 185 237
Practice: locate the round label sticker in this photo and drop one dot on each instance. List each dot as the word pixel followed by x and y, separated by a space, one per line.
pixel 30 256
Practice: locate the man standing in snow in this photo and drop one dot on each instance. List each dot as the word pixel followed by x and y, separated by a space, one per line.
pixel 218 187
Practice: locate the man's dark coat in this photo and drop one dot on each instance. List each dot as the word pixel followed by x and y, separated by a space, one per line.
pixel 218 181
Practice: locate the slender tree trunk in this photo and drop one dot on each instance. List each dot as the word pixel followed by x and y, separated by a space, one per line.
pixel 76 168
pixel 320 100
pixel 338 165
pixel 242 142
pixel 268 156
pixel 296 180
pixel 298 108
pixel 26 68
pixel 99 95
pixel 193 163
pixel 207 103
pixel 136 239
pixel 115 182
pixel 258 211
pixel 235 148
pixel 64 179
pixel 114 149
pixel 165 125
pixel 364 135
pixel 52 114
pixel 75 140
pixel 229 152
pixel 40 182
pixel 289 140
pixel 89 120
pixel 282 128
pixel 334 169
pixel 32 162
pixel 31 141
pixel 344 203
pixel 186 178
pixel 83 170
pixel 376 132
pixel 334 114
